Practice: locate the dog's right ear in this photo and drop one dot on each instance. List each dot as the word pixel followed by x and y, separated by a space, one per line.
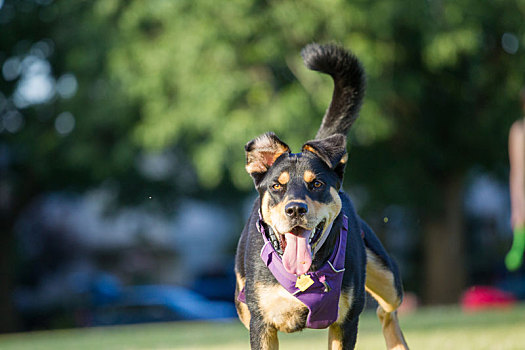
pixel 332 150
pixel 262 152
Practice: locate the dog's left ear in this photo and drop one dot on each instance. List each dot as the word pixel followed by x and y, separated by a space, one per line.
pixel 332 150
pixel 262 152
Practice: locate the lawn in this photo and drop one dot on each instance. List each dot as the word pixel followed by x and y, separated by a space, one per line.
pixel 428 328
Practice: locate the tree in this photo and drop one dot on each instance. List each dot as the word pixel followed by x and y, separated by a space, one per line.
pixel 65 125
pixel 454 95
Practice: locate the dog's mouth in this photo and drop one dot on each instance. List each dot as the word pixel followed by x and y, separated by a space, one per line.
pixel 295 247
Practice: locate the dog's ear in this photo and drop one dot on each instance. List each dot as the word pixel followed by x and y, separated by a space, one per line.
pixel 262 152
pixel 332 150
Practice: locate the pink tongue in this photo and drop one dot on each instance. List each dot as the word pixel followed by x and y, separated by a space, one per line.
pixel 297 256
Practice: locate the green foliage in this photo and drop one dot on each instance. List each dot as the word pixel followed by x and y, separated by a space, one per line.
pixel 209 76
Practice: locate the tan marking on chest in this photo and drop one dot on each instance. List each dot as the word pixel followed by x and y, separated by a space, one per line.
pixel 279 308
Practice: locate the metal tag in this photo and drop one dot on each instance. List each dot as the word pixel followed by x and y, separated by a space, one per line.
pixel 303 282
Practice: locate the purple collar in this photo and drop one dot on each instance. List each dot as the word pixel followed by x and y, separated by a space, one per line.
pixel 322 297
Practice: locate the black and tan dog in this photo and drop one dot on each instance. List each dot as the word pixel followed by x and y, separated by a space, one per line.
pixel 299 224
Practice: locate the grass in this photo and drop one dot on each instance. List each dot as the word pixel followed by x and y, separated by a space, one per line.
pixel 428 328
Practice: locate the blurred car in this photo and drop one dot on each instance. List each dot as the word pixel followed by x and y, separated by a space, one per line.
pixel 159 303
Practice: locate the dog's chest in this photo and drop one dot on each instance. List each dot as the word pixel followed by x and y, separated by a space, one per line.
pixel 281 309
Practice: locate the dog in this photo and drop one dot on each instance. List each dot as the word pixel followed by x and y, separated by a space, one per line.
pixel 305 258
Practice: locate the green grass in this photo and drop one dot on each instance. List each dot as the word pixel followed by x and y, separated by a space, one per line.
pixel 428 328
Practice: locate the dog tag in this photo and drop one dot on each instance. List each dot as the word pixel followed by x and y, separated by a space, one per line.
pixel 304 282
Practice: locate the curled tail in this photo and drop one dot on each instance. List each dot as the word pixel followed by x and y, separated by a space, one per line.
pixel 349 85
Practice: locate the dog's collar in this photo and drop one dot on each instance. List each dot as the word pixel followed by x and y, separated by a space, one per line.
pixel 321 297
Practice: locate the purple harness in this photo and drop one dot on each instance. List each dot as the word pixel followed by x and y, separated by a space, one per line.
pixel 322 297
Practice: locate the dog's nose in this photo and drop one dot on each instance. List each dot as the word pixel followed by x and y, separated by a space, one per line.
pixel 295 209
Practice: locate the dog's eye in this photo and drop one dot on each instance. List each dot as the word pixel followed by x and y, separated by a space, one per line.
pixel 317 184
pixel 277 186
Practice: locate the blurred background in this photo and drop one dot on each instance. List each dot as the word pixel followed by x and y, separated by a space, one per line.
pixel 122 125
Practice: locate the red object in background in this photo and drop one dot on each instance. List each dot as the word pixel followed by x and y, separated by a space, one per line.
pixel 486 297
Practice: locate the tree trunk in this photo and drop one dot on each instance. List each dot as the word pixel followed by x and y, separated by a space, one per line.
pixel 8 321
pixel 444 272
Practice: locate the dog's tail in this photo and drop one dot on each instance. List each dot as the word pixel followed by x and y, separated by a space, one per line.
pixel 349 85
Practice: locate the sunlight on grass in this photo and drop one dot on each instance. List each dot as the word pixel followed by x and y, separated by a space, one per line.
pixel 429 328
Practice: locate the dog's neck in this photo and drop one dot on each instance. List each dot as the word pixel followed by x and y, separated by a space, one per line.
pixel 319 289
pixel 325 251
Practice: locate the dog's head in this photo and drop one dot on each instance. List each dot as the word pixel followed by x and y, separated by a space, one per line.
pixel 299 193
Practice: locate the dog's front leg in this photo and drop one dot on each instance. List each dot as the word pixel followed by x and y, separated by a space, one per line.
pixel 335 337
pixel 262 335
pixel 342 336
